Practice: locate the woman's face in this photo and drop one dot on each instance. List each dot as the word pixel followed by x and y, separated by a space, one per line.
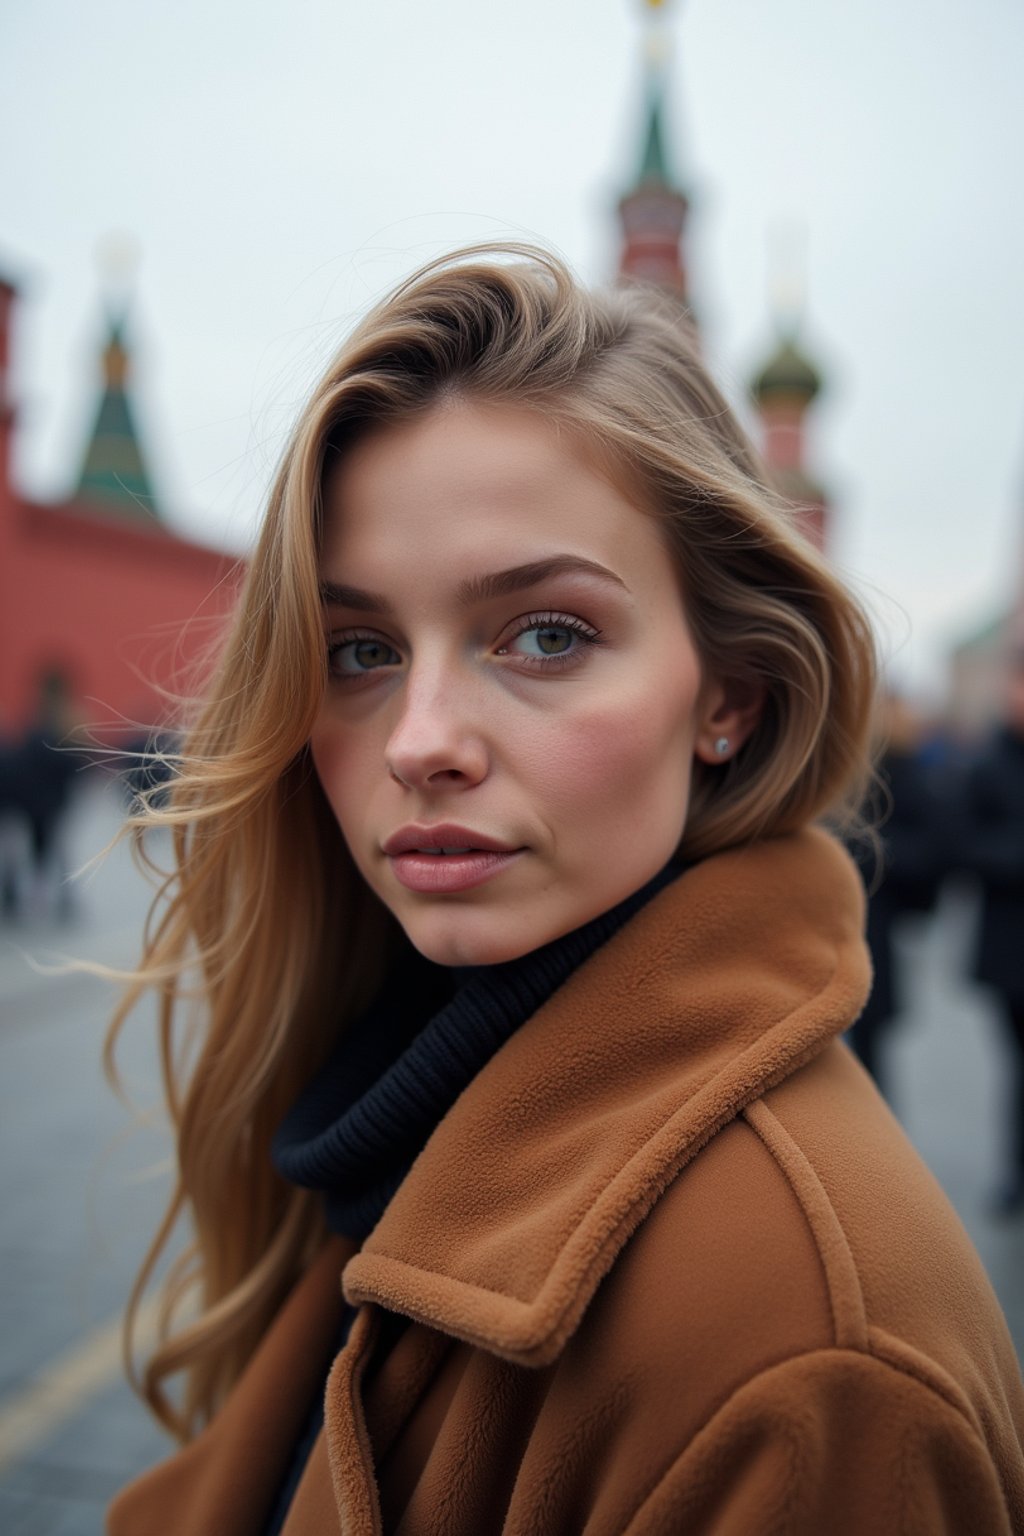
pixel 515 698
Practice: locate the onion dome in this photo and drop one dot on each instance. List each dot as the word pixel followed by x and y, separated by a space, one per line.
pixel 787 372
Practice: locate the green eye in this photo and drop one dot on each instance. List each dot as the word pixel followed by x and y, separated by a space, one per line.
pixel 550 637
pixel 371 653
pixel 350 658
pixel 551 642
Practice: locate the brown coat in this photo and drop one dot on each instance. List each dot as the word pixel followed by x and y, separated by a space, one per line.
pixel 670 1265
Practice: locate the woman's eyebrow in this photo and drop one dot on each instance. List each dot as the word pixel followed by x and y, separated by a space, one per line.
pixel 518 577
pixel 342 596
pixel 475 589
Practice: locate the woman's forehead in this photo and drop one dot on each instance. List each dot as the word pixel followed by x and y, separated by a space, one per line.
pixel 490 486
pixel 505 452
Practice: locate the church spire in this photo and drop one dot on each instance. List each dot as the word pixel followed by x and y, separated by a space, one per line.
pixel 114 476
pixel 654 160
pixel 653 211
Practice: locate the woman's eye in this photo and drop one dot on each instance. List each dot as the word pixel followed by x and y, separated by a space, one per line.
pixel 549 639
pixel 554 640
pixel 362 654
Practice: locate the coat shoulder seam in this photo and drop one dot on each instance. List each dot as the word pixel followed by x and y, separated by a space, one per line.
pixel 842 1280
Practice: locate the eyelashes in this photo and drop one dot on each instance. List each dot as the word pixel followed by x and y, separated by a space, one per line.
pixel 547 641
pixel 353 656
pixel 549 632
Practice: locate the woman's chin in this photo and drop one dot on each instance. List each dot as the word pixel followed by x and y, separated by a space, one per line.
pixel 461 950
pixel 458 937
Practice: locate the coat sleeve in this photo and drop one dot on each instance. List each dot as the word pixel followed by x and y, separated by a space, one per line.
pixel 833 1441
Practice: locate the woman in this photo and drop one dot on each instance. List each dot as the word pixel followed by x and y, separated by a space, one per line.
pixel 524 968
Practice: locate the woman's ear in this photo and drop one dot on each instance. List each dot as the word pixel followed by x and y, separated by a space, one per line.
pixel 731 712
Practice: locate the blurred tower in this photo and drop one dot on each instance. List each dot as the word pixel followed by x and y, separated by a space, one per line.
pixel 8 295
pixel 652 213
pixel 784 390
pixel 114 477
pixel 97 591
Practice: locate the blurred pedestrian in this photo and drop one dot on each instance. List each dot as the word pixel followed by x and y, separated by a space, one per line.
pixel 902 872
pixel 13 833
pixel 990 845
pixel 38 778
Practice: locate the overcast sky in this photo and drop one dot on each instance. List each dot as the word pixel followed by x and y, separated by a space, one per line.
pixel 280 164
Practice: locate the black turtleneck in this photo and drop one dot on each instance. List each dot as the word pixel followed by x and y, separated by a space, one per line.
pixel 358 1127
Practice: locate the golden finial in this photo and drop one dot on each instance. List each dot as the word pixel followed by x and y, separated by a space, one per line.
pixel 787 271
pixel 657 45
pixel 118 255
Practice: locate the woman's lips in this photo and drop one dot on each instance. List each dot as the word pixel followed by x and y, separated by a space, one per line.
pixel 447 873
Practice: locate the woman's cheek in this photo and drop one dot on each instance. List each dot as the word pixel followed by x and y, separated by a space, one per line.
pixel 343 766
pixel 615 754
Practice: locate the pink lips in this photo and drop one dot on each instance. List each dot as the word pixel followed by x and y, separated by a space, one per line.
pixel 462 859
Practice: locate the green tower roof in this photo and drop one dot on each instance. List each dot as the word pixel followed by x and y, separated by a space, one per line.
pixel 654 160
pixel 114 476
pixel 654 169
pixel 787 372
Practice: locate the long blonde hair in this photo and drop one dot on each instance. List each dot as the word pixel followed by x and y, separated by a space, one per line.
pixel 264 906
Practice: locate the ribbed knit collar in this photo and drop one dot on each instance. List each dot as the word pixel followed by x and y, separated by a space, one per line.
pixel 360 1124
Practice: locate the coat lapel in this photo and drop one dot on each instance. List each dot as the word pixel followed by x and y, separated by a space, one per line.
pixel 728 981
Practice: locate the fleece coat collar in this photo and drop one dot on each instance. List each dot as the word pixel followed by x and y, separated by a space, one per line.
pixel 734 976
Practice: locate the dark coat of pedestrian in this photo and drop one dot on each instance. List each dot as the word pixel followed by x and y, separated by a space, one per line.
pixel 902 872
pixel 994 851
pixel 990 846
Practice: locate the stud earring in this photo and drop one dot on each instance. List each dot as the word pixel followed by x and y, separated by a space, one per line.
pixel 721 746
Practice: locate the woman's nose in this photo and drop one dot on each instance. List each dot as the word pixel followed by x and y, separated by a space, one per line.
pixel 436 741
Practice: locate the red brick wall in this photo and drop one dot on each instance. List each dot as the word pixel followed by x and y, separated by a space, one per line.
pixel 123 612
